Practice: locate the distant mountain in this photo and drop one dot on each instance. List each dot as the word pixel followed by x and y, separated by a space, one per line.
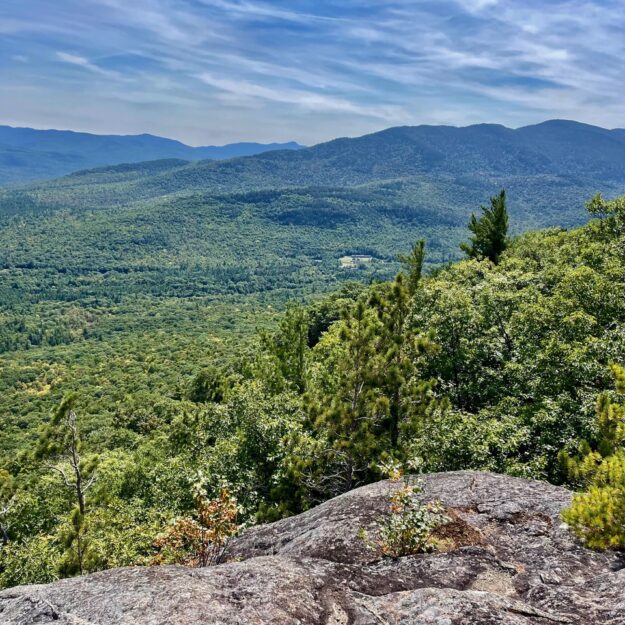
pixel 136 238
pixel 549 169
pixel 563 154
pixel 554 148
pixel 27 154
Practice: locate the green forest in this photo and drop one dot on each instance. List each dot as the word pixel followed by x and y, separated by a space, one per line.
pixel 137 372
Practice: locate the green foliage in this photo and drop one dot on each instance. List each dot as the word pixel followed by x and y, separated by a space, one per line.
pixel 611 212
pixel 409 399
pixel 33 561
pixel 323 313
pixel 287 348
pixel 413 264
pixel 598 515
pixel 62 444
pixel 490 231
pixel 346 410
pixel 366 400
pixel 524 349
pixel 475 365
pixel 407 529
pixel 208 385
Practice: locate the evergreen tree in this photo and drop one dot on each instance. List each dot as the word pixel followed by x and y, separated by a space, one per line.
pixel 490 231
pixel 61 445
pixel 372 402
pixel 407 398
pixel 598 515
pixel 289 347
pixel 413 265
pixel 348 417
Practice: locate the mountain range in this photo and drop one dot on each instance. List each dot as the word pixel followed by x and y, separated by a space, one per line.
pixel 439 171
pixel 247 218
pixel 28 154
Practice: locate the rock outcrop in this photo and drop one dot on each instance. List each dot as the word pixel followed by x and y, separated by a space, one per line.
pixel 511 560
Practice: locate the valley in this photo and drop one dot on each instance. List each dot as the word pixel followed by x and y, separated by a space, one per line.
pixel 192 314
pixel 117 258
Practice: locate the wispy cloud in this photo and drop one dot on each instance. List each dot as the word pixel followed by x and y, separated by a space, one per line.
pixel 220 70
pixel 243 91
pixel 81 61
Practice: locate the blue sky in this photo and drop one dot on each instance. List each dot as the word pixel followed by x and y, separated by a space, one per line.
pixel 216 71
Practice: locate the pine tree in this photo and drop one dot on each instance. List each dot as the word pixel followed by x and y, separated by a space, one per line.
pixel 413 265
pixel 490 231
pixel 408 398
pixel 375 402
pixel 348 420
pixel 598 515
pixel 289 347
pixel 61 445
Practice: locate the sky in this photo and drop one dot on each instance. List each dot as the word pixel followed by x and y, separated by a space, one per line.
pixel 219 71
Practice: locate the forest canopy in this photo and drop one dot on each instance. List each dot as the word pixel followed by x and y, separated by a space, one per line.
pixel 508 367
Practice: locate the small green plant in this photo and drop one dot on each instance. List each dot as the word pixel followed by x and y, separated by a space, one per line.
pixel 408 527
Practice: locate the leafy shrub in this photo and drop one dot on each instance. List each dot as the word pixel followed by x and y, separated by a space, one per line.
pixel 33 561
pixel 407 530
pixel 200 541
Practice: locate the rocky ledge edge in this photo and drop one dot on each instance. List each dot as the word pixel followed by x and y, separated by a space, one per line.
pixel 513 561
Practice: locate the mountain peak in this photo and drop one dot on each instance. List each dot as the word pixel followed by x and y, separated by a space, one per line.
pixel 29 154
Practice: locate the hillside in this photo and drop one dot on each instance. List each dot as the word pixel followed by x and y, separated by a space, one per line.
pixel 124 255
pixel 510 560
pixel 28 154
pixel 181 374
pixel 563 149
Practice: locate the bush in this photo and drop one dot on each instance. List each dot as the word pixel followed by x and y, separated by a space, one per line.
pixel 33 561
pixel 200 541
pixel 407 530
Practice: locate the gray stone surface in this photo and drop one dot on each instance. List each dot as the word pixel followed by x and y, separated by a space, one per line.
pixel 513 561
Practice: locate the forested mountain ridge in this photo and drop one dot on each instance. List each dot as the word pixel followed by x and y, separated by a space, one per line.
pixel 120 224
pixel 30 154
pixel 545 161
pixel 143 306
pixel 109 254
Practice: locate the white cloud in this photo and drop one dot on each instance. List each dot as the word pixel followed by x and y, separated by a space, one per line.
pixel 327 68
pixel 81 61
pixel 241 91
pixel 74 59
pixel 476 5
